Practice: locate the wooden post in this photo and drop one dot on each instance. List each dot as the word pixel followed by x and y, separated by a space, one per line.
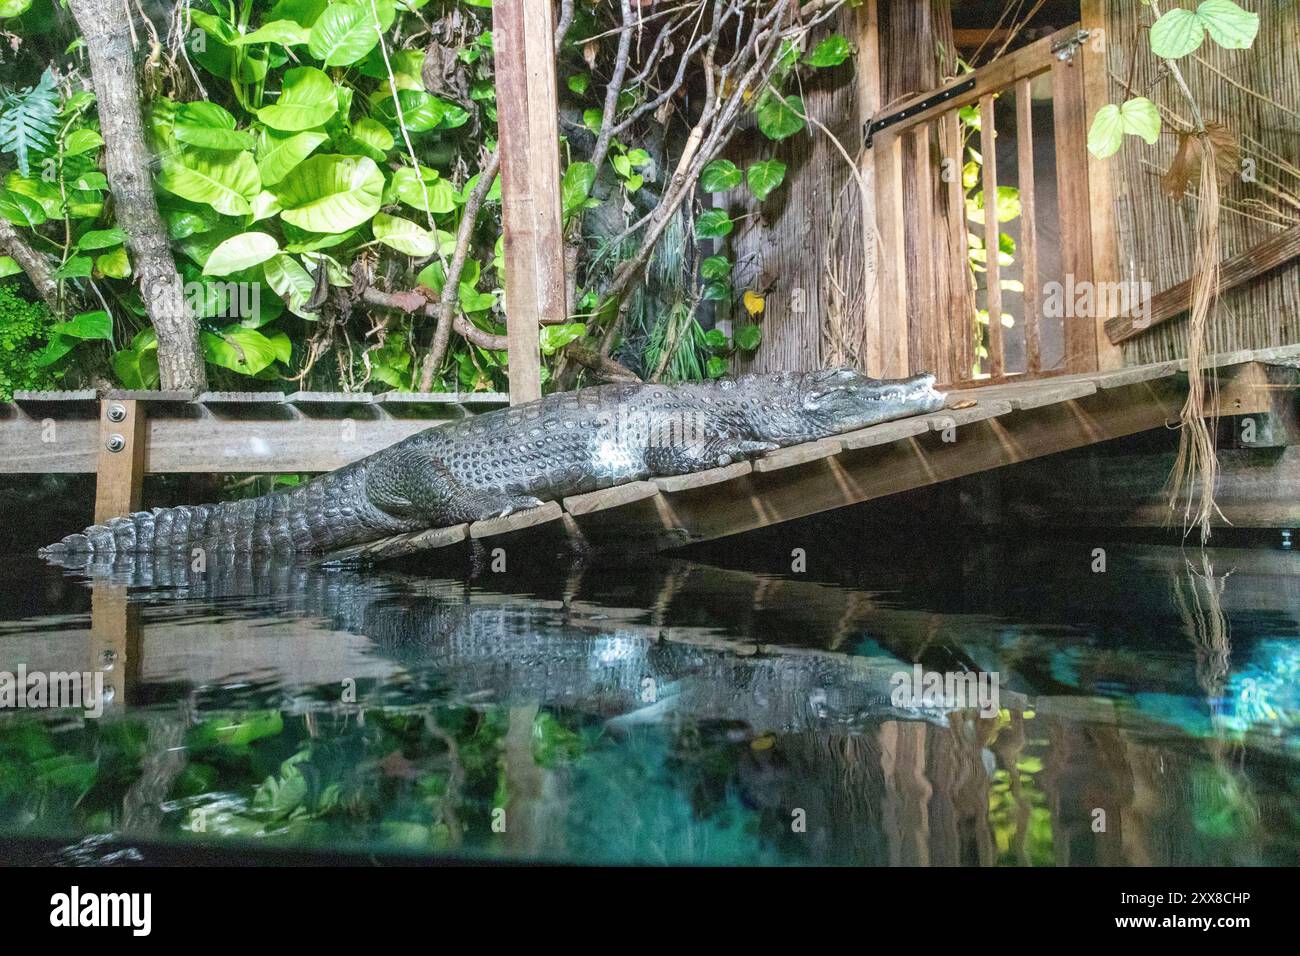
pixel 868 86
pixel 1074 204
pixel 528 108
pixel 120 466
pixel 1105 240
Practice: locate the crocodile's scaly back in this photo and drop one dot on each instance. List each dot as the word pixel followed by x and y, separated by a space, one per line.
pixel 516 458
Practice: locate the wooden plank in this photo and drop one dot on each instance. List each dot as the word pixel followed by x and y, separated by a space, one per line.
pixel 120 467
pixel 797 455
pixel 550 511
pixel 960 319
pixel 1025 63
pixel 867 75
pixel 1092 59
pixel 34 441
pixel 675 484
pixel 926 320
pixel 884 434
pixel 992 228
pixel 1033 296
pixel 759 500
pixel 527 105
pixel 956 417
pixel 1263 257
pixel 1073 205
pixel 892 271
pixel 607 498
pixel 205 444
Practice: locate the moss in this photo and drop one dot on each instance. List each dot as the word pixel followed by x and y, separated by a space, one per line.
pixel 24 328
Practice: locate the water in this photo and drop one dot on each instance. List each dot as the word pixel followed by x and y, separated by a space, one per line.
pixel 671 711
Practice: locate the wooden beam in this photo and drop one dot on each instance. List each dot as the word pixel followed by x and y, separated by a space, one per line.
pixel 992 230
pixel 758 499
pixel 1092 59
pixel 1074 204
pixel 891 274
pixel 120 465
pixel 1028 61
pixel 867 66
pixel 528 107
pixel 1263 257
pixel 1033 295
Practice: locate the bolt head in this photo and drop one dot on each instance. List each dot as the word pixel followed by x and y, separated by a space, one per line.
pixel 116 413
pixel 115 443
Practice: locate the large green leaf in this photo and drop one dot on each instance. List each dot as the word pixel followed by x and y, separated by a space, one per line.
pixel 719 176
pixel 407 187
pixel 764 176
pixel 576 186
pixel 285 32
pixel 277 155
pixel 242 350
pixel 713 224
pixel 9 267
pixel 1229 25
pixel 13 8
pixel 404 235
pixel 346 32
pixel 779 117
pixel 209 126
pixel 1137 117
pixel 1176 33
pixel 240 252
pixel 555 337
pixel 224 181
pixel 291 281
pixel 307 99
pixel 331 193
pixel 101 239
pixel 832 51
pixel 21 210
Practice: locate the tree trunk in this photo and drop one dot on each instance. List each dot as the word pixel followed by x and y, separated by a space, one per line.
pixel 31 262
pixel 107 33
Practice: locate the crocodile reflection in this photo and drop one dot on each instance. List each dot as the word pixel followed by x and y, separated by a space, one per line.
pixel 615 649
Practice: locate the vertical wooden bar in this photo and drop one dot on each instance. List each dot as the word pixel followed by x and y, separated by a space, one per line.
pixel 890 219
pixel 528 108
pixel 1073 202
pixel 926 318
pixel 114 647
pixel 993 277
pixel 120 468
pixel 961 313
pixel 1101 210
pixel 1028 227
pixel 869 99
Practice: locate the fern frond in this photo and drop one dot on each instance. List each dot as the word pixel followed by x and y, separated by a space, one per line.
pixel 28 121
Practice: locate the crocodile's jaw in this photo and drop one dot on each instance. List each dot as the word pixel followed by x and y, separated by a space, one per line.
pixel 843 400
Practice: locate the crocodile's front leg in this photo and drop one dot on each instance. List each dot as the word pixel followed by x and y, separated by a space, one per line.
pixel 702 453
pixel 415 484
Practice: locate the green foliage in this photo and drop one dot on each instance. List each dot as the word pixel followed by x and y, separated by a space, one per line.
pixel 24 327
pixel 1137 117
pixel 28 121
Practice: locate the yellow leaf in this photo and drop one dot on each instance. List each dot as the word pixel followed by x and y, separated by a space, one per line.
pixel 754 303
pixel 764 742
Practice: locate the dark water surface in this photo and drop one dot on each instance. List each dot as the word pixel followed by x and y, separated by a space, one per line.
pixel 667 710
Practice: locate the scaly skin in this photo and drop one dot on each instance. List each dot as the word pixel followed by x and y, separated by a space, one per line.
pixel 516 458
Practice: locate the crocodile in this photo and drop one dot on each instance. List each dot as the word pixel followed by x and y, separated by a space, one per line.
pixel 517 458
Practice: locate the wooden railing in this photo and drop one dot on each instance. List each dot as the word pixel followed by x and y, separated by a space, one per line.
pixel 929 299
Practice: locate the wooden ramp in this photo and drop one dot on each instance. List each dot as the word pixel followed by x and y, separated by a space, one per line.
pixel 982 429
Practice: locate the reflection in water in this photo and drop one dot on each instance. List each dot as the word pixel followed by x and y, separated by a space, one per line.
pixel 673 712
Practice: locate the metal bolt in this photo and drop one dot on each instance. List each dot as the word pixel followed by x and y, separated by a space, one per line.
pixel 116 413
pixel 115 443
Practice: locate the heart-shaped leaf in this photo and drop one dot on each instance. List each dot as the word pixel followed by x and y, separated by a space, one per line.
pixel 240 252
pixel 331 194
pixel 307 100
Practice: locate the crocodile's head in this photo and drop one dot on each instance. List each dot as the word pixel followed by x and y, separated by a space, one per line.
pixel 835 400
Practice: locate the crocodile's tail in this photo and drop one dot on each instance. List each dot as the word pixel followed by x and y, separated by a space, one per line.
pixel 328 512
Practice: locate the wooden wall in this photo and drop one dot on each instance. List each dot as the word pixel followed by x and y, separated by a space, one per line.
pixel 1156 235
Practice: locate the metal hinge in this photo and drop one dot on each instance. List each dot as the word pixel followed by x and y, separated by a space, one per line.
pixel 1065 49
pixel 870 129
